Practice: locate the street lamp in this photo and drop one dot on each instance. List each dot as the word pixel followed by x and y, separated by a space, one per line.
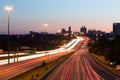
pixel 45 25
pixel 8 8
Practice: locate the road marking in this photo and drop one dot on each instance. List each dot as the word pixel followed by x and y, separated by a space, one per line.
pixel 62 77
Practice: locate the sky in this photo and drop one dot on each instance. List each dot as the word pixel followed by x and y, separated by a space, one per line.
pixel 30 15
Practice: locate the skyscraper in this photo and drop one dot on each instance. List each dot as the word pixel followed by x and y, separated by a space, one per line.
pixel 69 30
pixel 63 31
pixel 116 29
pixel 83 30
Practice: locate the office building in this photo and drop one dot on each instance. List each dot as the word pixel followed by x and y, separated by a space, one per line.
pixel 69 30
pixel 83 30
pixel 64 32
pixel 116 29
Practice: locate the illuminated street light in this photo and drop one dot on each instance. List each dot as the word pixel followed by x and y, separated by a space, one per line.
pixel 8 8
pixel 45 25
pixel 58 30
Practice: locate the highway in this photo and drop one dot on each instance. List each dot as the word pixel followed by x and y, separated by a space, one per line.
pixel 11 70
pixel 80 66
pixel 65 48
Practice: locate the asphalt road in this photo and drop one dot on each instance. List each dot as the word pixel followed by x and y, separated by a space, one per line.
pixel 11 70
pixel 80 66
pixel 25 56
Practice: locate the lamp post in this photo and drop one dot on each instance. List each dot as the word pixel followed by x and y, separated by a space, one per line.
pixel 8 8
pixel 45 26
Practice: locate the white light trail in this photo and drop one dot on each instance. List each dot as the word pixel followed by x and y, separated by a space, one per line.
pixel 5 55
pixel 67 47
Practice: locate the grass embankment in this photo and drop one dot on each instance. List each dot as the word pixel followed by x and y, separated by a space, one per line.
pixel 37 73
pixel 105 64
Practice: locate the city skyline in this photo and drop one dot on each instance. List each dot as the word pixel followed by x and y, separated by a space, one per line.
pixel 30 15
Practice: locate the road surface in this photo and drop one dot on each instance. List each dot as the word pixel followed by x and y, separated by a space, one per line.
pixel 80 66
pixel 38 54
pixel 11 70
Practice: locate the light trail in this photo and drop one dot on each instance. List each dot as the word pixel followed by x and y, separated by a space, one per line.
pixel 5 55
pixel 67 47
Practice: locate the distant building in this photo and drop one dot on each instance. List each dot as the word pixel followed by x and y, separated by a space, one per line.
pixel 96 34
pixel 37 33
pixel 64 32
pixel 83 30
pixel 116 29
pixel 76 33
pixel 109 36
pixel 92 32
pixel 33 33
pixel 69 30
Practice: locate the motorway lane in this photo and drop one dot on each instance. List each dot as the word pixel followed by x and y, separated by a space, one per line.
pixel 74 68
pixel 11 70
pixel 7 72
pixel 104 73
pixel 69 46
pixel 80 66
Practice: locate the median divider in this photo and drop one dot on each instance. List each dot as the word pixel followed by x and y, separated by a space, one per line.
pixel 52 69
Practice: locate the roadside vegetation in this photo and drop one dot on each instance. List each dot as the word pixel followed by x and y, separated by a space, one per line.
pixel 109 49
pixel 39 41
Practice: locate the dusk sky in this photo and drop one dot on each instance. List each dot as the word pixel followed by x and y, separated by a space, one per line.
pixel 30 15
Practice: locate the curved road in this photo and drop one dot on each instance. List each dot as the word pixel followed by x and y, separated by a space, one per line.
pixel 11 70
pixel 80 66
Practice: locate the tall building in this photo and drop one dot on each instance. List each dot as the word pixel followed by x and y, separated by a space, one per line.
pixel 96 34
pixel 83 30
pixel 92 32
pixel 116 29
pixel 63 31
pixel 69 30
